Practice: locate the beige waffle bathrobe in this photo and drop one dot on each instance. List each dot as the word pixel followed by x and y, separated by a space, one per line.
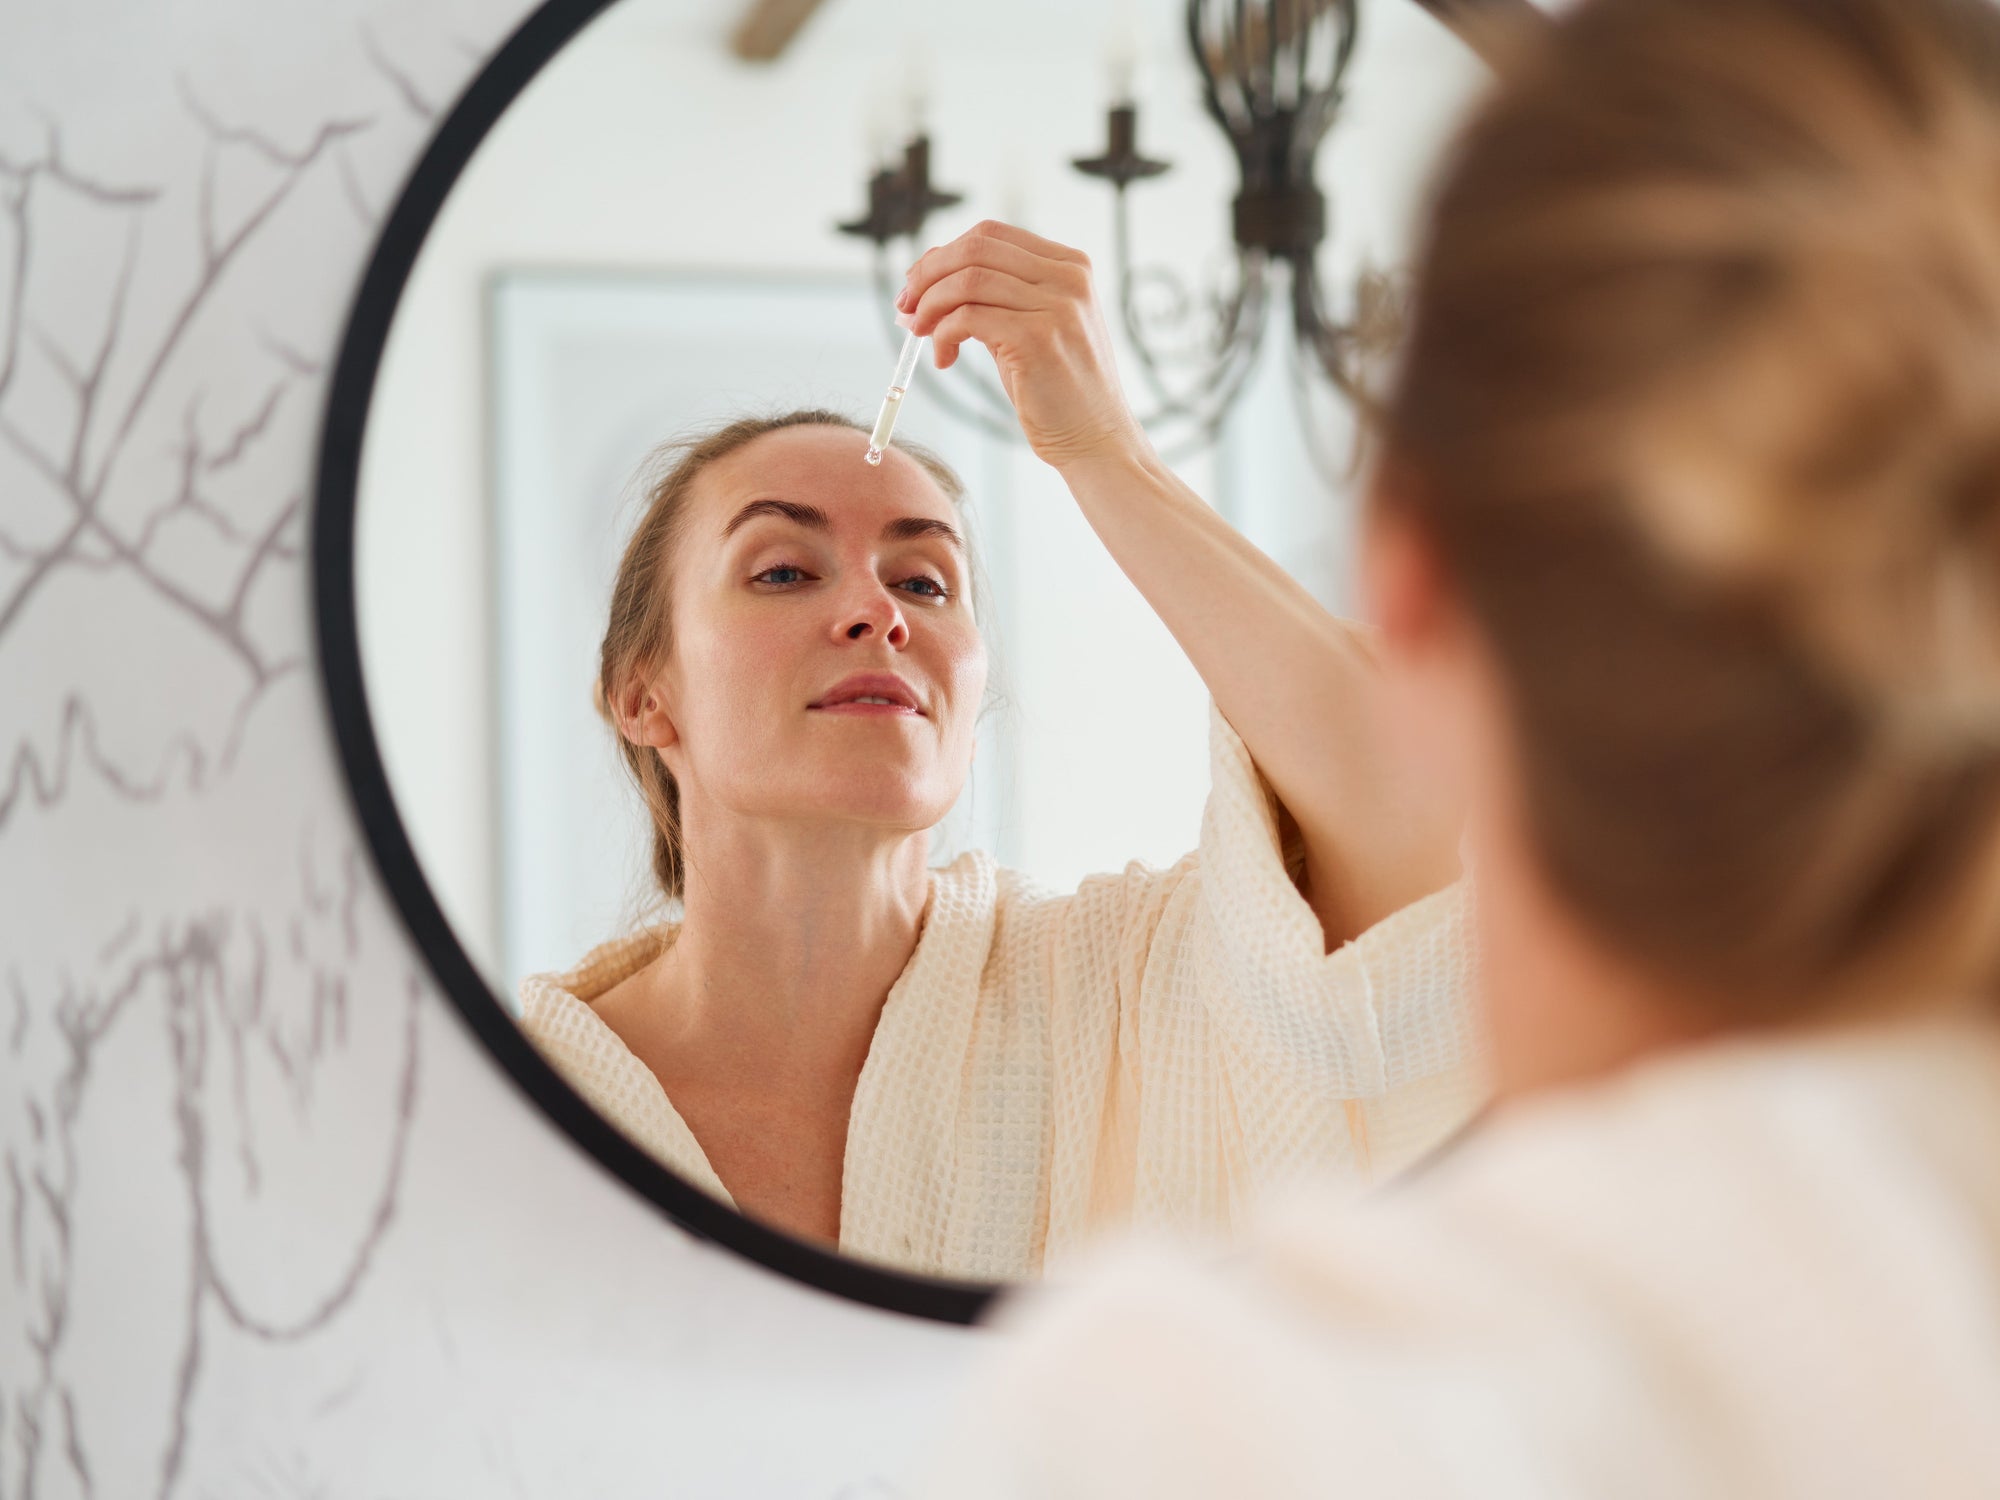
pixel 1150 1051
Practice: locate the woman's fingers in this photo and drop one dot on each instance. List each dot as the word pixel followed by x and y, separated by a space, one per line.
pixel 1014 234
pixel 970 320
pixel 1050 345
pixel 974 284
pixel 995 246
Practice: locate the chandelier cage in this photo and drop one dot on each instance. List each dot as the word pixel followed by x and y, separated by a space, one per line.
pixel 1273 77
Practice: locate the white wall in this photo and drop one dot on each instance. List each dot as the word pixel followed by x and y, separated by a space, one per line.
pixel 645 148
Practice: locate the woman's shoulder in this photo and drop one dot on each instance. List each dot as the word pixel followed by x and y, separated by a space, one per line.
pixel 560 1015
pixel 1737 1192
pixel 1757 1138
pixel 602 968
pixel 561 1005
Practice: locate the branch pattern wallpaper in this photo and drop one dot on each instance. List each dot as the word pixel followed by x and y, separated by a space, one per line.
pixel 271 1224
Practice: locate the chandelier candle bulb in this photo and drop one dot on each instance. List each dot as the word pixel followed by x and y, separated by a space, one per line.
pixel 892 403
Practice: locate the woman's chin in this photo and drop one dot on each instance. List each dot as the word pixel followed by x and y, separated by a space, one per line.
pixel 890 804
pixel 891 788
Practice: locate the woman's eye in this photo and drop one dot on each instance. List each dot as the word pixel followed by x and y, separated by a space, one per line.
pixel 783 573
pixel 929 588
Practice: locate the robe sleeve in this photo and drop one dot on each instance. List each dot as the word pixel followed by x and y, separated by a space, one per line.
pixel 1237 1053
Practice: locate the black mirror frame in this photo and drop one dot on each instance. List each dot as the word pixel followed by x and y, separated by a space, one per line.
pixel 524 54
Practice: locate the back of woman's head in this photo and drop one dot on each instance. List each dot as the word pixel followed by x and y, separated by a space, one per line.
pixel 1702 411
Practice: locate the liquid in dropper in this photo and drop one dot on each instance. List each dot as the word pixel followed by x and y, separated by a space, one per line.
pixel 892 403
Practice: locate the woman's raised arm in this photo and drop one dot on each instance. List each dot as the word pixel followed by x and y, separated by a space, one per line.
pixel 1295 681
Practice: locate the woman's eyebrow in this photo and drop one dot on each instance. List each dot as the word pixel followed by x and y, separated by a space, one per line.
pixel 785 510
pixel 910 528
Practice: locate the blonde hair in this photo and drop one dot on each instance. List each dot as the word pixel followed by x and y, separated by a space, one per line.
pixel 1701 408
pixel 639 633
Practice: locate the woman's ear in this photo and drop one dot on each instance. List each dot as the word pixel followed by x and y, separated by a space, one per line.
pixel 640 712
pixel 1404 582
pixel 1444 705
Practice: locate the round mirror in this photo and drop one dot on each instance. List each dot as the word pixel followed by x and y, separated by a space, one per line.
pixel 651 223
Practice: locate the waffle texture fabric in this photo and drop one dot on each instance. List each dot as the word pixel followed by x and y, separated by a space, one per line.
pixel 1153 1050
pixel 1764 1268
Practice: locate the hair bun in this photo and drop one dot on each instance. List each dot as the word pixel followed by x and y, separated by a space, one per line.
pixel 1843 471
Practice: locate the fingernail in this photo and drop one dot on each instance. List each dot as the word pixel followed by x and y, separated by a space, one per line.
pixel 903 300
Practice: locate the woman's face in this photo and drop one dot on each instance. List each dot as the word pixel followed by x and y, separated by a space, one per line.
pixel 826 664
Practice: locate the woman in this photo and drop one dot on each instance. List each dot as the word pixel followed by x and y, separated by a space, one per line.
pixel 948 1070
pixel 1690 535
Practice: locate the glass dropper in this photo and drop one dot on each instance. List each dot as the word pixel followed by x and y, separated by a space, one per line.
pixel 892 403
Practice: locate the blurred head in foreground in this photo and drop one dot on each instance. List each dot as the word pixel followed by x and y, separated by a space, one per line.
pixel 1689 524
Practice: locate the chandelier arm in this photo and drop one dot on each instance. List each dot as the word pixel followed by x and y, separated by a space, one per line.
pixel 1250 270
pixel 1202 421
pixel 1321 106
pixel 1239 55
pixel 1245 336
pixel 1271 30
pixel 1302 54
pixel 1231 105
pixel 1208 429
pixel 1320 117
pixel 1227 380
pixel 1333 345
pixel 1336 473
pixel 1211 98
pixel 1206 420
pixel 1197 405
pixel 1226 395
pixel 1128 312
pixel 1219 396
pixel 1318 107
pixel 1235 345
pixel 1326 102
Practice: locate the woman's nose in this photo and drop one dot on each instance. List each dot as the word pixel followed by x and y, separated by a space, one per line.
pixel 875 614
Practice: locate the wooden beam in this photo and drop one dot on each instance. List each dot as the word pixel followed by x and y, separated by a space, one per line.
pixel 767 28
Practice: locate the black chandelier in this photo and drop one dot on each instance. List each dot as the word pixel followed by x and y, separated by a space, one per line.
pixel 1273 76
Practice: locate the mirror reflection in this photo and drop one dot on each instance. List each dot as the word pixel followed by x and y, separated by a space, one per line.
pixel 956 858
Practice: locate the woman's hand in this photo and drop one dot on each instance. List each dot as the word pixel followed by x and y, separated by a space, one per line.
pixel 1030 302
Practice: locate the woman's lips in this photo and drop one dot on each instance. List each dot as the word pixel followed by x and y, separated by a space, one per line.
pixel 870 694
pixel 869 708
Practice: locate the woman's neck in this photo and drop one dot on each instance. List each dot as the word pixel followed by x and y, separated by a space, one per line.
pixel 791 938
pixel 1563 1008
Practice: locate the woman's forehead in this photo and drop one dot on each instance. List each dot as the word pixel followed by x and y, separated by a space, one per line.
pixel 823 467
